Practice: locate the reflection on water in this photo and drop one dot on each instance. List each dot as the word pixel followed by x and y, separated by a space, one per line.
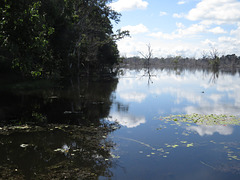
pixel 128 120
pixel 133 97
pixel 154 148
pixel 65 135
pixel 81 102
pixel 55 152
pixel 111 128
pixel 210 130
pixel 187 92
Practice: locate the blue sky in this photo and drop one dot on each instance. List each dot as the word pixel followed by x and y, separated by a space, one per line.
pixel 187 28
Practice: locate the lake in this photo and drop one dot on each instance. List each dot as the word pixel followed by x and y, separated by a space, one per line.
pixel 165 124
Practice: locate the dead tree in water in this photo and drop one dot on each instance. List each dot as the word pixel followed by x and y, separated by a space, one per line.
pixel 147 58
pixel 215 60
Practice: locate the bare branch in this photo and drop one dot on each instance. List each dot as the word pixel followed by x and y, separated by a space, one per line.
pixel 214 53
pixel 204 55
pixel 149 54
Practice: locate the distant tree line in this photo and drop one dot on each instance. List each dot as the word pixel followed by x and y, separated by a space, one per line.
pixel 214 62
pixel 48 37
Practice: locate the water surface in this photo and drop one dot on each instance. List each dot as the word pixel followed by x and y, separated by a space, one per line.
pixel 115 128
pixel 151 147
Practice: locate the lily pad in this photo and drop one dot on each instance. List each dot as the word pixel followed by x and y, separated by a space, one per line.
pixel 212 119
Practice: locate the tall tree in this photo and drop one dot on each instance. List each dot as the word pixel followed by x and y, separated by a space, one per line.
pixel 44 36
pixel 24 35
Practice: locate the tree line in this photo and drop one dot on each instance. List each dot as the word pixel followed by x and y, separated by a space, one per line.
pixel 215 62
pixel 57 37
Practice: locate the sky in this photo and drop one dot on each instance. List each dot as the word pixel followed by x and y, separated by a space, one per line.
pixel 187 28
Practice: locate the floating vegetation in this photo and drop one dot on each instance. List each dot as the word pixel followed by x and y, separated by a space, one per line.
pixel 171 146
pixel 190 145
pixel 213 142
pixel 115 156
pixel 174 146
pixel 212 119
pixel 65 149
pixel 183 139
pixel 160 152
pixel 60 151
pixel 23 145
pixel 233 153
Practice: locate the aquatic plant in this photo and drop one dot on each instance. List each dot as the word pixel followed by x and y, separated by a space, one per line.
pixel 211 119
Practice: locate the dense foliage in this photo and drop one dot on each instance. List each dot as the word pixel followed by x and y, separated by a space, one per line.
pixel 45 37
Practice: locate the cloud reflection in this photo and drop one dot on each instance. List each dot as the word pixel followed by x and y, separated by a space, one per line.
pixel 210 130
pixel 213 109
pixel 128 120
pixel 133 97
pixel 189 92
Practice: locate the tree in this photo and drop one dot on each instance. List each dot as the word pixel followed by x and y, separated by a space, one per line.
pixel 215 60
pixel 147 58
pixel 58 36
pixel 24 35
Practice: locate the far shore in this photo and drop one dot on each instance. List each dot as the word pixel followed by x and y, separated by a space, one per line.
pixel 229 63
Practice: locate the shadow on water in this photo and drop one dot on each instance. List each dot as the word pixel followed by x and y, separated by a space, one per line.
pixel 57 132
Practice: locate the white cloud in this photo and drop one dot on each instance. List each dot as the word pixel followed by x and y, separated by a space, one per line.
pixel 164 35
pixel 181 2
pixel 216 12
pixel 162 13
pixel 227 84
pixel 180 25
pixel 124 5
pixel 208 43
pixel 127 46
pixel 130 47
pixel 181 31
pixel 216 97
pixel 128 120
pixel 236 32
pixel 193 29
pixel 140 28
pixel 180 95
pixel 220 98
pixel 133 97
pixel 211 18
pixel 188 37
pixel 226 39
pixel 217 30
pixel 230 45
pixel 213 109
pixel 176 15
pixel 227 87
pixel 210 130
